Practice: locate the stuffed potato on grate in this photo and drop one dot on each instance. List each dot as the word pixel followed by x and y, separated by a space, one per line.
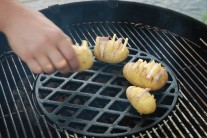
pixel 146 75
pixel 111 51
pixel 85 56
pixel 141 99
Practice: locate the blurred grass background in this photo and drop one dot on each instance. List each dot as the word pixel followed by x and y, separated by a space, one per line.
pixel 204 17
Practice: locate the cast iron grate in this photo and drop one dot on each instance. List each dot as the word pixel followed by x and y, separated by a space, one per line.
pixel 94 103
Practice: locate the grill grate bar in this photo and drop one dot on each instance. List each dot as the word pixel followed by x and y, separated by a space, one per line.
pixel 74 30
pixel 56 131
pixel 176 69
pixel 66 134
pixel 140 134
pixel 6 126
pixel 162 130
pixel 118 33
pixel 142 38
pixel 75 136
pixel 184 71
pixel 89 34
pixel 93 29
pixel 25 73
pixel 194 99
pixel 192 107
pixel 156 48
pixel 182 124
pixel 195 67
pixel 197 55
pixel 176 127
pixel 186 119
pixel 78 28
pixel 178 63
pixel 155 132
pixel 121 28
pixel 166 124
pixel 148 134
pixel 24 109
pixel 9 110
pixel 71 35
pixel 203 42
pixel 25 91
pixel 136 38
pixel 13 101
pixel 191 115
pixel 106 30
pixel 46 125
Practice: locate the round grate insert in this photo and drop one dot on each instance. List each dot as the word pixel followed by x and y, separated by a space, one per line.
pixel 94 103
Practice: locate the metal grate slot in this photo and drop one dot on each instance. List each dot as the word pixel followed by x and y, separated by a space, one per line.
pixel 108 118
pixel 101 78
pixel 52 83
pixel 110 91
pixel 72 85
pixel 97 129
pixel 49 107
pixel 79 99
pixel 77 126
pixel 91 88
pixel 84 76
pixel 67 111
pixel 87 115
pixel 59 97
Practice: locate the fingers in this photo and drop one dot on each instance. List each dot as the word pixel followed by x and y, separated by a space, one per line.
pixel 53 55
pixel 58 61
pixel 61 58
pixel 34 66
pixel 66 49
pixel 45 63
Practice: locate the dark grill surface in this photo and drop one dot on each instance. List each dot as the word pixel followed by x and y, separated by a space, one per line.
pixel 94 102
pixel 186 59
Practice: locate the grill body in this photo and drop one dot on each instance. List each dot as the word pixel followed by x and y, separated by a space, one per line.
pixel 175 39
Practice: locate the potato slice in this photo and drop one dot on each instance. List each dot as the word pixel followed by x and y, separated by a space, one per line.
pixel 111 51
pixel 141 99
pixel 85 56
pixel 146 75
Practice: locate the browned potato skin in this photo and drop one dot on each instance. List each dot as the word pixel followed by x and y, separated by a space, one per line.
pixel 111 54
pixel 85 56
pixel 141 99
pixel 135 77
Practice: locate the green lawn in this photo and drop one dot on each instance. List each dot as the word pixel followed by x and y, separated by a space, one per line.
pixel 204 18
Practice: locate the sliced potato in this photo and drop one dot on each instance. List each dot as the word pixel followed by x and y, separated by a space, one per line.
pixel 85 56
pixel 146 75
pixel 111 51
pixel 141 99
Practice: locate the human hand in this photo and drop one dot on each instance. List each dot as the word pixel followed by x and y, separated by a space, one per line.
pixel 38 42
